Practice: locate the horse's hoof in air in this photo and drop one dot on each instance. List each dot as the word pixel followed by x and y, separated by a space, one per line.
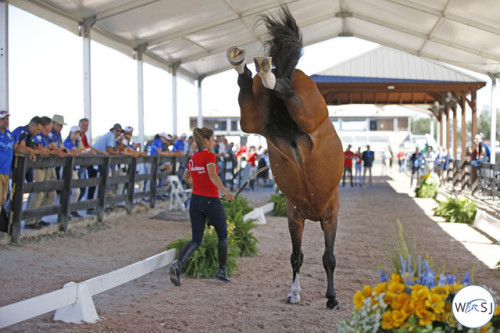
pixel 263 64
pixel 235 55
pixel 293 299
pixel 332 305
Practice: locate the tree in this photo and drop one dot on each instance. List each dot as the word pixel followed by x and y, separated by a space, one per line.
pixel 484 124
pixel 420 125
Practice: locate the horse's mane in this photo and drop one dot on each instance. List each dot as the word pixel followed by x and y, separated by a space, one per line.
pixel 285 44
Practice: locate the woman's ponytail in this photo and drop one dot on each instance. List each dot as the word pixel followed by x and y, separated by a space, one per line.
pixel 199 134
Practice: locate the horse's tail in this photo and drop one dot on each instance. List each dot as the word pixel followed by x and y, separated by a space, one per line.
pixel 285 44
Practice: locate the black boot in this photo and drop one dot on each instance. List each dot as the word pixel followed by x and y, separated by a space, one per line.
pixel 222 249
pixel 176 268
pixel 221 275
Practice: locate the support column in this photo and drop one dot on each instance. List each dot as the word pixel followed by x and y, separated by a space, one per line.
pixel 441 143
pixel 448 143
pixel 200 104
pixel 455 145
pixel 139 51
pixel 175 67
pixel 4 55
pixel 473 173
pixel 432 128
pixel 493 137
pixel 463 152
pixel 84 29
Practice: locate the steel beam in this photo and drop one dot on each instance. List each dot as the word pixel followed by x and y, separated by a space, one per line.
pixel 4 55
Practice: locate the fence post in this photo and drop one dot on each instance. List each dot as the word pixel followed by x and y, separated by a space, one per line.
pixel 66 193
pixel 101 193
pixel 131 185
pixel 14 227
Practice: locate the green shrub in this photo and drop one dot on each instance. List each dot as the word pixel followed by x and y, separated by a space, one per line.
pixel 204 262
pixel 238 205
pixel 243 237
pixel 428 189
pixel 459 209
pixel 279 204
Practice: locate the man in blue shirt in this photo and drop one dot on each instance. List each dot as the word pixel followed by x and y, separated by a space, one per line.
pixel 6 153
pixel 368 157
pixel 179 144
pixel 41 199
pixel 107 142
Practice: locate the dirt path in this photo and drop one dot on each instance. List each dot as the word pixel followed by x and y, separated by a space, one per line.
pixel 255 298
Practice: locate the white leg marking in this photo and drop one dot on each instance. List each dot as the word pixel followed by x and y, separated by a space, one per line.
pixel 240 68
pixel 268 79
pixel 294 295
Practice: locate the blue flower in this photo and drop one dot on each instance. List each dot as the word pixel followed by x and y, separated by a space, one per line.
pixel 383 276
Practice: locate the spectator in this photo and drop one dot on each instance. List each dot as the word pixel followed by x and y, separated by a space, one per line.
pixel 358 158
pixel 42 199
pixel 56 142
pixel 368 158
pixel 107 142
pixel 348 157
pixel 481 154
pixel 6 153
pixel 417 161
pixel 74 146
pixel 401 160
pixel 89 171
pixel 189 147
pixel 179 144
pixel 251 157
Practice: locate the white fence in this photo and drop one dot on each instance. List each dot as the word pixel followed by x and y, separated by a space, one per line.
pixel 73 303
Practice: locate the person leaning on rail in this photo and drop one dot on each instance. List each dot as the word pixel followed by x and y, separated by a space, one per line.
pixel 6 153
pixel 202 174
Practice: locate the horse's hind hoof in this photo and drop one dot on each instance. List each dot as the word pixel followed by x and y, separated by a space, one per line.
pixel 263 64
pixel 235 55
pixel 332 305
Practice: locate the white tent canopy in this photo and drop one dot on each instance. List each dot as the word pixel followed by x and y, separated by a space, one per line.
pixel 195 34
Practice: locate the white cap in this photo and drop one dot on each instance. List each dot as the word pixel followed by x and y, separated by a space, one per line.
pixel 136 141
pixel 163 134
pixel 183 135
pixel 74 129
pixel 477 137
pixel 128 129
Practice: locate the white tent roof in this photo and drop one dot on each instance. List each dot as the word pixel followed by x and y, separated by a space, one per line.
pixel 196 33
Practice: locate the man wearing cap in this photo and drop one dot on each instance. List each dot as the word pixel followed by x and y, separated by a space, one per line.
pixel 6 153
pixel 56 141
pixel 179 144
pixel 107 142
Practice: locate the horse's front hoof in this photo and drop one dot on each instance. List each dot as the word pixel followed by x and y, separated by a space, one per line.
pixel 293 298
pixel 235 55
pixel 332 305
pixel 263 64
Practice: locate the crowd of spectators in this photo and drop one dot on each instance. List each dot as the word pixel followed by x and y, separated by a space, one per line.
pixel 42 136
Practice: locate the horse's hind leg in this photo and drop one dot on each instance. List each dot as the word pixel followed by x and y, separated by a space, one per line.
pixel 329 226
pixel 296 228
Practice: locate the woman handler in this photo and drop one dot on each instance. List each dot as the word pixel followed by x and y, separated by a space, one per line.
pixel 202 173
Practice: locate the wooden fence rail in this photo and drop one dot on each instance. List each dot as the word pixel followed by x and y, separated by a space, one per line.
pixel 111 172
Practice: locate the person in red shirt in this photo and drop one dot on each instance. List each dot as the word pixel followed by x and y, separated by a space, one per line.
pixel 202 174
pixel 348 157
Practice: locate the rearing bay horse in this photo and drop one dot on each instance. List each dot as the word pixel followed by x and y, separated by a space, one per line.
pixel 306 156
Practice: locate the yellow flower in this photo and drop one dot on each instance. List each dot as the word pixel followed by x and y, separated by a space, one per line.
pixel 379 288
pixel 396 278
pixel 393 289
pixel 485 327
pixel 358 300
pixel 398 317
pixel 444 291
pixel 399 301
pixel 387 321
pixel 436 303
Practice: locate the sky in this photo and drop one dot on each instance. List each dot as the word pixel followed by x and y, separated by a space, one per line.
pixel 46 78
